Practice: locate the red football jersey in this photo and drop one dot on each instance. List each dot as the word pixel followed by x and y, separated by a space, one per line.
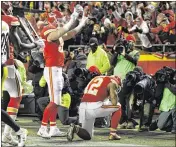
pixel 9 19
pixel 96 90
pixel 53 52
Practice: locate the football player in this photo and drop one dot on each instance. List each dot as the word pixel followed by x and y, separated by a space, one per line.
pixel 99 100
pixel 54 62
pixel 9 118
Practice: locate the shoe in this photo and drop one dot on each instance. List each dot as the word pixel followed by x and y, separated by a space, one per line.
pixel 123 125
pixel 9 140
pixel 143 128
pixel 22 136
pixel 130 125
pixel 43 133
pixel 55 132
pixel 114 137
pixel 71 131
pixel 173 131
pixel 153 126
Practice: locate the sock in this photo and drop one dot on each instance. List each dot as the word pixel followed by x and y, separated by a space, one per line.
pixel 7 128
pixel 47 113
pixel 43 127
pixel 115 119
pixel 113 131
pixel 53 115
pixel 10 123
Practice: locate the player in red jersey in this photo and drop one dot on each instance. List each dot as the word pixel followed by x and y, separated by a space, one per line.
pixel 8 117
pixel 54 62
pixel 12 83
pixel 99 100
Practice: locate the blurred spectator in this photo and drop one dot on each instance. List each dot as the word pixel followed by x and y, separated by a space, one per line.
pixel 124 12
pixel 142 30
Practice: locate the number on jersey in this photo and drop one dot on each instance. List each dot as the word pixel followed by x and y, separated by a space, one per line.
pixel 93 88
pixel 4 46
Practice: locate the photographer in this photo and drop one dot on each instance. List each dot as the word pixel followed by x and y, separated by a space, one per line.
pixel 166 92
pixel 81 78
pixel 127 98
pixel 126 57
pixel 79 61
pixel 144 93
pixel 63 110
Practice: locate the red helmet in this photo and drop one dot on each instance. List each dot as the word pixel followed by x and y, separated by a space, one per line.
pixel 94 69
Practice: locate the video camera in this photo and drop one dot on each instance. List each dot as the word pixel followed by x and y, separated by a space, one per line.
pixel 122 44
pixel 146 86
pixel 133 77
pixel 81 72
pixel 85 74
pixel 166 74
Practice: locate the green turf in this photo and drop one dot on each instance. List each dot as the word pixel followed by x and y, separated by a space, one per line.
pixel 155 138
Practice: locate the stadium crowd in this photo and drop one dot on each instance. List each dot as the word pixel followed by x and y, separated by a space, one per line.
pixel 92 85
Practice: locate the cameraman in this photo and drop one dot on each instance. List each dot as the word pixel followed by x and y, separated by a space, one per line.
pixel 63 110
pixel 127 98
pixel 126 57
pixel 167 119
pixel 144 92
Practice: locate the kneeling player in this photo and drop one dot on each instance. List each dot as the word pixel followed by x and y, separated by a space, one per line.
pixel 94 105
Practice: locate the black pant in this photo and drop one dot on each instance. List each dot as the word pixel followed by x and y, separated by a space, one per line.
pixel 63 113
pixel 148 110
pixel 5 100
pixel 167 120
pixel 9 121
pixel 124 98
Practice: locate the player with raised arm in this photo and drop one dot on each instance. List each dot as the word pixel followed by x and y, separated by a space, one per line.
pixel 54 62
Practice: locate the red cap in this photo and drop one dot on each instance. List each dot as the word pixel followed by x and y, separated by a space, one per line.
pixel 131 38
pixel 94 69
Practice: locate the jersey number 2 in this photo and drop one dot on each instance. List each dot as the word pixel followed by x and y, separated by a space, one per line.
pixel 93 89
